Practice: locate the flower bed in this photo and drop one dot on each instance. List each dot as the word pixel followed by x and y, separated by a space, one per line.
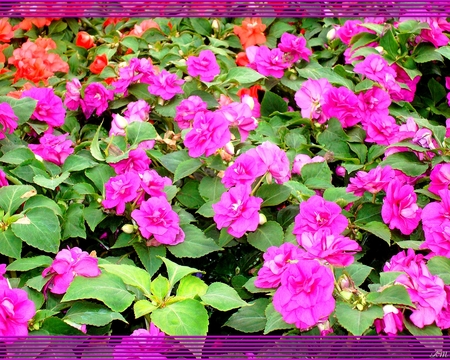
pixel 215 176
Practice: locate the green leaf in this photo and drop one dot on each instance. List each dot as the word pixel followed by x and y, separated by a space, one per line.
pixel 100 175
pixel 437 91
pixel 250 286
pixel 39 228
pixel 355 321
pixel 42 201
pixel 12 196
pixel 389 43
pixel 130 275
pixel 10 244
pixel 23 108
pixel 395 294
pixel 211 189
pixel 93 215
pixel 106 288
pixel 50 183
pixel 317 175
pixel 88 313
pixel 37 282
pixel 369 212
pixel 222 297
pixel 425 53
pixel 95 146
pixel 339 195
pixel 201 26
pixel 243 75
pixel 17 156
pixel 334 139
pixel 273 194
pixel 430 330
pixel 177 272
pixel 378 229
pixel 406 162
pixel 189 195
pixel 389 277
pixel 275 320
pixel 440 266
pixel 191 286
pixel 171 160
pixel 30 263
pixel 131 42
pixel 139 131
pixel 179 319
pixel 250 319
pixel 409 244
pixel 358 272
pixel 269 234
pixel 186 168
pixel 445 51
pixel 150 256
pixel 143 307
pixel 55 326
pixel 140 90
pixel 74 222
pixel 315 71
pixel 195 243
pixel 206 209
pixel 77 163
pixel 271 103
pixel 160 287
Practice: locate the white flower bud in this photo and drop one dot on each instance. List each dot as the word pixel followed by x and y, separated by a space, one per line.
pixel 128 229
pixel 379 49
pixel 262 219
pixel 331 34
pixel 215 24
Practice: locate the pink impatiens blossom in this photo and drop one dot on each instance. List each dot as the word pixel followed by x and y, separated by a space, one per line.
pixel 400 209
pixel 310 98
pixel 244 170
pixel 435 34
pixel 240 115
pixel 205 66
pixel 317 213
pixel 121 189
pixel 137 161
pixel 55 149
pixel 49 107
pixel 67 264
pixel 3 179
pixel 403 260
pixel 392 321
pixel 381 130
pixel 341 103
pixel 8 120
pixel 16 310
pixel 301 160
pixel 443 318
pixel 153 184
pixel 276 261
pixel 210 132
pixel 137 111
pixel 73 94
pixel 373 102
pixel 373 181
pixel 96 97
pixel 165 85
pixel 399 93
pixel 270 62
pixel 305 296
pixel 157 220
pixel 337 250
pixel 294 48
pixel 375 68
pixel 276 161
pixel 237 210
pixel 440 178
pixel 137 70
pixel 187 109
pixel 350 29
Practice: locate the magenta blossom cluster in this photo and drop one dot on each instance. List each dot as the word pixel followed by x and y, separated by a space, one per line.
pixel 8 120
pixel 204 65
pixel 137 71
pixel 53 148
pixel 67 264
pixel 136 111
pixel 16 309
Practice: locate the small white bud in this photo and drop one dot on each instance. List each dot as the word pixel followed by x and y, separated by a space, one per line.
pixel 331 34
pixel 128 229
pixel 262 219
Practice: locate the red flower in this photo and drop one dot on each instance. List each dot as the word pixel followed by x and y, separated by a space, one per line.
pixel 251 32
pixel 84 40
pixel 242 59
pixel 99 64
pixel 6 31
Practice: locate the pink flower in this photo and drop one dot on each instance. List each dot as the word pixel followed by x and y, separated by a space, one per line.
pixel 341 103
pixel 373 181
pixel 350 29
pixel 73 95
pixel 436 213
pixel 399 93
pixel 238 211
pixel 435 34
pixel 95 99
pixel 165 85
pixel 118 125
pixel 55 149
pixel 245 169
pixel 310 98
pixel 8 120
pixel 443 318
pixel 403 260
pixel 3 281
pixel 187 109
pixel 156 219
pixel 317 213
pixel 240 115
pixel 400 209
pixel 337 250
pixel 270 62
pixel 276 160
pixel 381 130
pixel 440 178
pixel 209 133
pixel 49 107
pixel 137 161
pixel 276 261
pixel 15 312
pixel 138 70
pixel 392 321
pixel 294 47
pixel 153 184
pixel 373 102
pixel 137 111
pixel 69 263
pixel 121 189
pixel 305 296
pixel 205 66
pixel 301 160
pixel 375 68
pixel 437 239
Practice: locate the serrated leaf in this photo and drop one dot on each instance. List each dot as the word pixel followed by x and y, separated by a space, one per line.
pixel 139 131
pixel 10 244
pixel 273 194
pixel 406 162
pixel 17 156
pixel 395 294
pixel 186 168
pixel 243 75
pixel 73 225
pixel 77 163
pixel 222 297
pixel 250 319
pixel 177 272
pixel 130 275
pixel 42 201
pixel 250 286
pixel 150 256
pixel 269 234
pixel 440 266
pixel 93 215
pixel 195 243
pixel 355 321
pixel 409 244
pixel 275 320
pixel 100 175
pixel 143 307
pixel 30 263
pixel 191 286
pixel 50 183
pixel 211 189
pixel 378 229
pixel 23 108
pixel 389 277
pixel 12 196
pixel 92 314
pixel 171 160
pixel 358 272
pixel 106 288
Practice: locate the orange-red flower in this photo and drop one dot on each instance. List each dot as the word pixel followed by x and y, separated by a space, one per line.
pixel 27 24
pixel 253 91
pixel 242 59
pixel 99 64
pixel 251 32
pixel 113 20
pixel 6 31
pixel 2 56
pixel 138 30
pixel 84 40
